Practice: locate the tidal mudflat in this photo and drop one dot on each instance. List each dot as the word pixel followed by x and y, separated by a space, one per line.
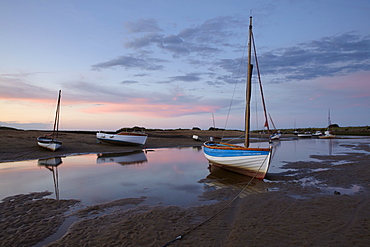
pixel 320 199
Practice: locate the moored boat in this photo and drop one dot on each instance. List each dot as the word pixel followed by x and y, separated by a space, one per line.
pixel 275 136
pixel 197 138
pixel 327 133
pixel 249 161
pixel 317 133
pixel 305 135
pixel 123 138
pixel 253 162
pixel 49 141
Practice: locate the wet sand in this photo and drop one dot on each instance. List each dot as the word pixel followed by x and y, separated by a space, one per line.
pixel 299 208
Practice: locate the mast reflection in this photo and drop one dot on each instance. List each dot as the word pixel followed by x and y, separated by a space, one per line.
pixel 52 165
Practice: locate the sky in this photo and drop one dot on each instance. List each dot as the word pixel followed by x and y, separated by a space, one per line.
pixel 181 64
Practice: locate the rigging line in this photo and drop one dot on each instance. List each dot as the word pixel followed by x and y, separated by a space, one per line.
pixel 260 82
pixel 48 122
pixel 235 138
pixel 222 209
pixel 232 98
pixel 256 110
pixel 282 212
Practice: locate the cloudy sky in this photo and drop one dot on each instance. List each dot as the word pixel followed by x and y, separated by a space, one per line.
pixel 172 64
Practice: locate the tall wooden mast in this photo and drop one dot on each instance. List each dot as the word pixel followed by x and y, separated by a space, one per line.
pixel 56 120
pixel 248 87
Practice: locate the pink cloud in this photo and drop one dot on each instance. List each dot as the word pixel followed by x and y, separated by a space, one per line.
pixel 316 96
pixel 134 106
pixel 142 107
pixel 358 82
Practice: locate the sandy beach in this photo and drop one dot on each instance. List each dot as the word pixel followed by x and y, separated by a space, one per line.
pixel 295 213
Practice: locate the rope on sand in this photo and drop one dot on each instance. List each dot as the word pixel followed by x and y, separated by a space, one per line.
pixel 280 213
pixel 22 154
pixel 222 209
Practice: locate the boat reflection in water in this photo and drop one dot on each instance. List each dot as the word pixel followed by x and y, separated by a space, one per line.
pixel 52 165
pixel 124 158
pixel 221 178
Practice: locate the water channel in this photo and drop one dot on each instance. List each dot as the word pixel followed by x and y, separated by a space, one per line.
pixel 166 176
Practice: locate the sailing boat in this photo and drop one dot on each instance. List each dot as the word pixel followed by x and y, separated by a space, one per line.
pixel 327 133
pixel 135 138
pixel 50 141
pixel 249 161
pixel 276 135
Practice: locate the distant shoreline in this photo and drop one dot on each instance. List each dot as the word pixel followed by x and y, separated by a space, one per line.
pixel 348 130
pixel 19 145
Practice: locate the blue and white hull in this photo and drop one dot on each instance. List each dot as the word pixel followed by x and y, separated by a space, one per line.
pixel 253 162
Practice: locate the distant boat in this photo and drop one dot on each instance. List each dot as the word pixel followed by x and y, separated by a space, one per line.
pixel 123 138
pixel 305 135
pixel 50 141
pixel 197 138
pixel 277 134
pixel 249 161
pixel 317 133
pixel 295 129
pixel 327 133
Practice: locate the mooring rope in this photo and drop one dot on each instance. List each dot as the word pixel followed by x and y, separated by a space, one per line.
pixel 20 156
pixel 218 212
pixel 282 212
